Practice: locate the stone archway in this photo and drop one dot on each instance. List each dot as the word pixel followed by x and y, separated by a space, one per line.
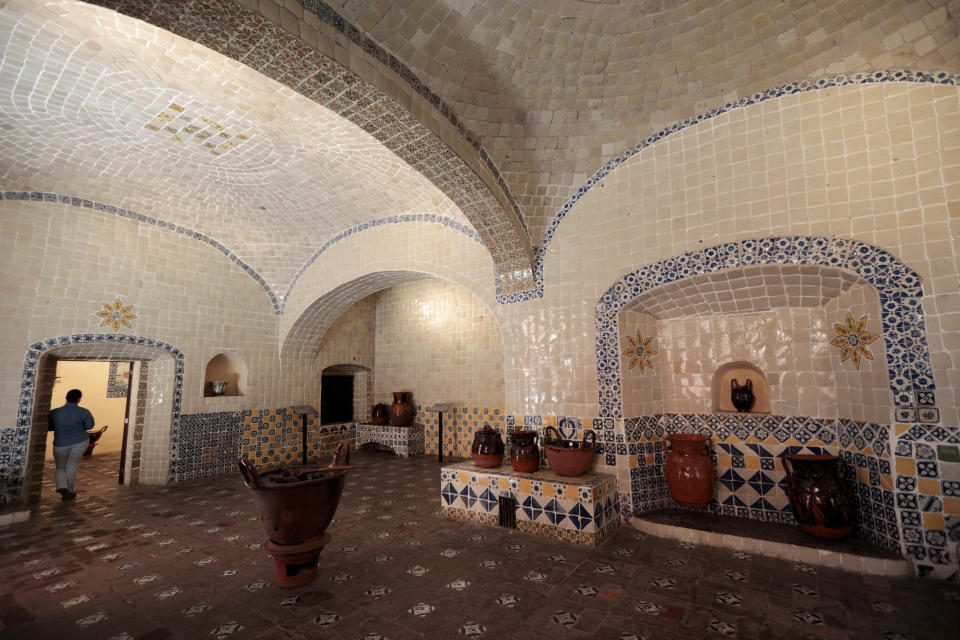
pixel 20 481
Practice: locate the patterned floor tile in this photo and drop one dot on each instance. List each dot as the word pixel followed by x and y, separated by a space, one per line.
pixel 429 576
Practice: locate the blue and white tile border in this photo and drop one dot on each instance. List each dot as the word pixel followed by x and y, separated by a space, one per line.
pixel 799 86
pixel 904 333
pixel 13 461
pixel 277 302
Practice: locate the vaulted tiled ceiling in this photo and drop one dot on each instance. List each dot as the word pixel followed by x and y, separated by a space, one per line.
pixel 103 107
pixel 553 89
pixel 505 106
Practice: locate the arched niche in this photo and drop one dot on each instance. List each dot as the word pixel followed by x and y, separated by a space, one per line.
pixel 741 371
pixel 227 367
pixel 775 321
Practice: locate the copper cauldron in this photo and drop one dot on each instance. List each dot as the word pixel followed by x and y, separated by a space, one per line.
pixel 297 503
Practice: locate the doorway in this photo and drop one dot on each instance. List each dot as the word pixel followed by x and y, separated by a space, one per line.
pixel 107 388
pixel 336 399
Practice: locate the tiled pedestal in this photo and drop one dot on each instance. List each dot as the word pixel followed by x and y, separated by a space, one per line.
pixel 405 441
pixel 583 510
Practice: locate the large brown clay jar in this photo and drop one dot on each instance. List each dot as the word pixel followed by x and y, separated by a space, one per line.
pixel 821 503
pixel 380 414
pixel 689 470
pixel 487 449
pixel 524 452
pixel 401 411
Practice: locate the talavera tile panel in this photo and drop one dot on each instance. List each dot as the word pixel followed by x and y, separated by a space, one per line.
pixel 582 510
pixel 751 479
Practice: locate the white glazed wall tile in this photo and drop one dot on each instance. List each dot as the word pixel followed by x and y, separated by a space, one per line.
pixel 613 229
pixel 642 390
pixel 440 342
pixel 864 393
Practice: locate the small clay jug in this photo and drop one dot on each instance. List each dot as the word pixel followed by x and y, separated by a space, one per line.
pixel 689 469
pixel 742 397
pixel 380 414
pixel 401 411
pixel 820 501
pixel 524 452
pixel 487 449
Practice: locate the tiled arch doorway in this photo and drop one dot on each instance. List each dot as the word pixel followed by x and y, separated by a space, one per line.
pixel 152 451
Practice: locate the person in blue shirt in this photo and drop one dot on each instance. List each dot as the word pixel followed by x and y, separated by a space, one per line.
pixel 70 439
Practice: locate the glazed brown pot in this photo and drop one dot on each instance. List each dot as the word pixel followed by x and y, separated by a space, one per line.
pixel 742 398
pixel 524 452
pixel 690 472
pixel 293 506
pixel 569 457
pixel 380 414
pixel 487 448
pixel 821 503
pixel 401 411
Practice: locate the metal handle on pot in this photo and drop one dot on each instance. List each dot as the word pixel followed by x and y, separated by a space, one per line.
pixel 251 479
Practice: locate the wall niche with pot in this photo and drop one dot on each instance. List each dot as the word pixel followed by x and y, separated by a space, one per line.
pixel 739 375
pixel 682 343
pixel 225 375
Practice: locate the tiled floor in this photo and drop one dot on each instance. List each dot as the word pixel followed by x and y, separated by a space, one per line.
pixel 187 562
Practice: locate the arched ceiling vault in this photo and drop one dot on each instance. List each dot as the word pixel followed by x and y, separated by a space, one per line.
pixel 557 88
pixel 507 107
pixel 378 96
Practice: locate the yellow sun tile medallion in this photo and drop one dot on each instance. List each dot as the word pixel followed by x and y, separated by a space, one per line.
pixel 851 338
pixel 640 352
pixel 116 315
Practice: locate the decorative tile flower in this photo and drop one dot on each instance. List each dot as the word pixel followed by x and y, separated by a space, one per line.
pixel 116 315
pixel 640 352
pixel 851 338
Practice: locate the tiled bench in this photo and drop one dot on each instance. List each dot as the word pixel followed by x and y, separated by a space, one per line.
pixel 583 510
pixel 405 441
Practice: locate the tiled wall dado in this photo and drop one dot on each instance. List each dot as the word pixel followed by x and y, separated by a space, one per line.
pixel 751 479
pixel 211 443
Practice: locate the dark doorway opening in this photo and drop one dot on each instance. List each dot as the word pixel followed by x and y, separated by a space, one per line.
pixel 336 399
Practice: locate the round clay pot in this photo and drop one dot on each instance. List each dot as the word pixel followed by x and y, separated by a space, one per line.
pixel 380 414
pixel 524 452
pixel 487 449
pixel 569 457
pixel 820 501
pixel 689 469
pixel 401 411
